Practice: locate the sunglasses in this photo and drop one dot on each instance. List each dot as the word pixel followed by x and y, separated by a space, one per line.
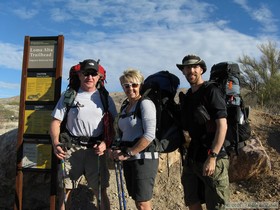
pixel 128 85
pixel 91 73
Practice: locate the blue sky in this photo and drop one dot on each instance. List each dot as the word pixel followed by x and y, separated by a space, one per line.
pixel 149 35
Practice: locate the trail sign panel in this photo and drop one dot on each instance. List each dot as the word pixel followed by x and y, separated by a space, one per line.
pixel 40 86
pixel 40 91
pixel 37 156
pixel 37 119
pixel 42 54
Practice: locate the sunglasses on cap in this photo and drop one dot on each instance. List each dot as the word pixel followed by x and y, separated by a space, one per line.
pixel 90 73
pixel 128 85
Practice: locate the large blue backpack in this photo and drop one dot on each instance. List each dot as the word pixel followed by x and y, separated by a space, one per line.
pixel 227 76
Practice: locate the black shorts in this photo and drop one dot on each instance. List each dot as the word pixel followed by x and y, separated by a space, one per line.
pixel 140 178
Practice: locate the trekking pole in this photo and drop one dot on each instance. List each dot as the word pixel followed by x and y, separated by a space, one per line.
pixel 118 167
pixel 122 185
pixel 119 179
pixel 63 175
pixel 118 184
pixel 99 180
pixel 63 181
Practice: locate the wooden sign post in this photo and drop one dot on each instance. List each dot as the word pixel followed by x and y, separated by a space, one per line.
pixel 40 91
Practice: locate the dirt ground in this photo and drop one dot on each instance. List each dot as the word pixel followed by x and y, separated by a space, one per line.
pixel 262 192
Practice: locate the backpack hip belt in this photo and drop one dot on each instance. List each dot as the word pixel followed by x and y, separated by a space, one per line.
pixel 85 141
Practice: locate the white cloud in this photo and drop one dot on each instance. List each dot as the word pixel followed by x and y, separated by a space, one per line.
pixel 11 56
pixel 59 15
pixel 159 49
pixel 142 34
pixel 25 13
pixel 136 15
pixel 263 15
pixel 9 85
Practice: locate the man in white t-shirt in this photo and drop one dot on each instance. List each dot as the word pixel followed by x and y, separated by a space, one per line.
pixel 85 129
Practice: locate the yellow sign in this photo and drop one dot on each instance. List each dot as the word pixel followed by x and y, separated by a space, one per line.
pixel 37 156
pixel 37 120
pixel 40 89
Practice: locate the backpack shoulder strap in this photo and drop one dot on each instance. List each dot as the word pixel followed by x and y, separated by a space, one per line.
pixel 69 98
pixel 205 88
pixel 104 98
pixel 137 111
pixel 123 106
pixel 109 132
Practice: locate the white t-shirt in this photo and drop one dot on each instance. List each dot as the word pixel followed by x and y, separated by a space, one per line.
pixel 85 117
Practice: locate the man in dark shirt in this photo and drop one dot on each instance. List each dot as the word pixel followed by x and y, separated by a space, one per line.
pixel 205 174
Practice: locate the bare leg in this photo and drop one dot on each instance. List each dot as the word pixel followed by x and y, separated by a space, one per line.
pixel 144 205
pixel 67 199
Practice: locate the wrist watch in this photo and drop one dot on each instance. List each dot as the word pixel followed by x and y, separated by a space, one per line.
pixel 212 154
pixel 128 151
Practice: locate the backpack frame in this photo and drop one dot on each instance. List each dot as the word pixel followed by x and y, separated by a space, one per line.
pixel 226 76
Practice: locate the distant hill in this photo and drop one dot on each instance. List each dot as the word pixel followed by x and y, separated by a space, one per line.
pixel 12 103
pixel 9 109
pixel 14 99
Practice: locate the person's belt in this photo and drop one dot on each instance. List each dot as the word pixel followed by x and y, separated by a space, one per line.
pixel 85 141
